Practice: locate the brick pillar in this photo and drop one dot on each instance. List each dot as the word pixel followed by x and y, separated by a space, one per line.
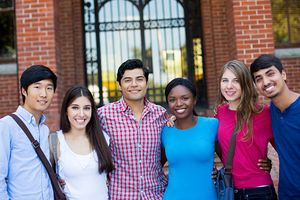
pixel 71 42
pixel 250 30
pixel 36 42
pixel 216 45
pixel 252 26
pixel 9 95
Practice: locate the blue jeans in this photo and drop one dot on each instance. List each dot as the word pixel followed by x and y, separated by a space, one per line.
pixel 257 193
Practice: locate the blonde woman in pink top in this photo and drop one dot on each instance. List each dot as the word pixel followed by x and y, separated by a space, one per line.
pixel 237 106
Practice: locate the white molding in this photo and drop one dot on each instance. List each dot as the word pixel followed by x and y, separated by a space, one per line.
pixel 287 53
pixel 8 69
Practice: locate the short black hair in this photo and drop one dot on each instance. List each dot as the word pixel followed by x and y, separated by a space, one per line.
pixel 36 73
pixel 183 82
pixel 265 61
pixel 129 65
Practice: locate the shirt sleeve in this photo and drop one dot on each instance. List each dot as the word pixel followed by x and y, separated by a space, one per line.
pixel 4 158
pixel 165 116
pixel 101 118
pixel 268 124
pixel 106 137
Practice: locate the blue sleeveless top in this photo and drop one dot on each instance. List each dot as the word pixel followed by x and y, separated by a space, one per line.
pixel 190 155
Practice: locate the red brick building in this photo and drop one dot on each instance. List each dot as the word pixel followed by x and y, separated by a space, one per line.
pixel 54 33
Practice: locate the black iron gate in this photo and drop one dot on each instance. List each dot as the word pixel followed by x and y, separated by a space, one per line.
pixel 165 34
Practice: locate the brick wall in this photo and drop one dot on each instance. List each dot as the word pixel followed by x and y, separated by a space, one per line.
pixel 9 94
pixel 35 27
pixel 253 28
pixel 239 29
pixel 292 67
pixel 68 52
pixel 50 33
pixel 71 43
pixel 216 45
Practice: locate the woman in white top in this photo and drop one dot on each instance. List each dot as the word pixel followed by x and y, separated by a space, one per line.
pixel 84 159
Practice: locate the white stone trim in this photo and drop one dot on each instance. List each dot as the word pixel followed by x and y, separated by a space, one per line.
pixel 287 53
pixel 8 69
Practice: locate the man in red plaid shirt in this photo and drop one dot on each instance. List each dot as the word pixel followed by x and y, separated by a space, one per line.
pixel 134 126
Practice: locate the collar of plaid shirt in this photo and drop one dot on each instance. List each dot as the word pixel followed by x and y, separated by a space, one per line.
pixel 136 150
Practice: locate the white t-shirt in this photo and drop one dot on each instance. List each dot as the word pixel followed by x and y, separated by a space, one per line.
pixel 80 173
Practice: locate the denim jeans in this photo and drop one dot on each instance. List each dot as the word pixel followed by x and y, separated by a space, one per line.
pixel 257 193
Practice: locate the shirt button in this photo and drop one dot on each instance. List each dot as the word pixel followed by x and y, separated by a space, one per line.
pixel 141 177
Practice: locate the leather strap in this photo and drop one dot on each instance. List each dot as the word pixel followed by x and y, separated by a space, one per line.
pixel 231 148
pixel 36 145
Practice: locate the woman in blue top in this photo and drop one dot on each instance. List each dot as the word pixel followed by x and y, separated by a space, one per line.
pixel 189 145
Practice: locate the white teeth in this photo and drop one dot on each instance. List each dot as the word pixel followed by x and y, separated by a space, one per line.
pixel 269 89
pixel 180 110
pixel 80 120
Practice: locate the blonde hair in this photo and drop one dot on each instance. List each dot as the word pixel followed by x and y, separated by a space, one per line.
pixel 248 103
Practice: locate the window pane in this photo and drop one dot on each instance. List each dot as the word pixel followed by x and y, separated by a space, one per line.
pixel 5 3
pixel 286 22
pixel 294 12
pixel 7 31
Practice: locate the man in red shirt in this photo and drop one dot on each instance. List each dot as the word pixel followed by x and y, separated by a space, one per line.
pixel 134 126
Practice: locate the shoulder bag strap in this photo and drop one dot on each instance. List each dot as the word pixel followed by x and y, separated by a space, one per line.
pixel 231 148
pixel 36 146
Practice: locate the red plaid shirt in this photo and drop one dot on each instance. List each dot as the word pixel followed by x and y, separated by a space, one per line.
pixel 136 150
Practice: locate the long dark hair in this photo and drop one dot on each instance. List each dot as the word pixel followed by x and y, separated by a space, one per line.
pixel 93 129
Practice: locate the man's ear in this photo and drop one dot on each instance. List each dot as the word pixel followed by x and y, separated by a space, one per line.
pixel 119 86
pixel 24 92
pixel 283 74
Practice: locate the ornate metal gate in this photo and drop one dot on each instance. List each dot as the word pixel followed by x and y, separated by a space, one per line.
pixel 165 34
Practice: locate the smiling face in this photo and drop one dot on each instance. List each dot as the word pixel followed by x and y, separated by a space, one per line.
pixel 231 88
pixel 270 82
pixel 38 96
pixel 79 113
pixel 181 102
pixel 133 85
